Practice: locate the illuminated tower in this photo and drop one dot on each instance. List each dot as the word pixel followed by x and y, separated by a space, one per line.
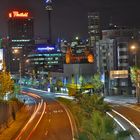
pixel 49 10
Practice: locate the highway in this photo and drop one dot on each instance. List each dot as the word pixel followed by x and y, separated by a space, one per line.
pixel 127 115
pixel 50 120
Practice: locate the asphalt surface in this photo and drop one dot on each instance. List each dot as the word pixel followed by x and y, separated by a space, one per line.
pixel 127 112
pixel 50 120
pixel 132 121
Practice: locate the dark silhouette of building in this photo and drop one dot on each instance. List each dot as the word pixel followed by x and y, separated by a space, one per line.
pixel 94 28
pixel 21 39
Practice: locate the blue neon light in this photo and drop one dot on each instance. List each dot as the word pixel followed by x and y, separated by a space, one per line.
pixel 46 49
pixel 48 1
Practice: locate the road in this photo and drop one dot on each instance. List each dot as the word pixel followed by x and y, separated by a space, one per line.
pixel 50 120
pixel 131 115
pixel 127 114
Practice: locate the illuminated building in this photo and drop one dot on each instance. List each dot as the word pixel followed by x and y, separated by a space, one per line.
pixel 94 28
pixel 45 59
pixel 112 54
pixel 122 38
pixel 21 38
pixel 78 51
pixel 85 57
pixel 105 55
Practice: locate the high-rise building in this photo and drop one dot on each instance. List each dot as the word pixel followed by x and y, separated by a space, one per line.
pixel 94 28
pixel 112 55
pixel 21 39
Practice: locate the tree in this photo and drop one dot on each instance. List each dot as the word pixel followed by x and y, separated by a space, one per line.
pixel 92 103
pixel 97 83
pixel 133 74
pixel 59 84
pixel 101 127
pixel 6 83
pixel 16 88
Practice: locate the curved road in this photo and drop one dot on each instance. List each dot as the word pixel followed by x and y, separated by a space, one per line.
pixel 129 117
pixel 50 120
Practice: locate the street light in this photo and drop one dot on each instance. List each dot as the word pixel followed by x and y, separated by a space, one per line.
pixel 134 51
pixel 17 52
pixel 133 48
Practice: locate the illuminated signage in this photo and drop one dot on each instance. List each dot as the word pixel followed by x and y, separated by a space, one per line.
pixel 1 59
pixel 48 1
pixel 46 49
pixel 18 14
pixel 115 74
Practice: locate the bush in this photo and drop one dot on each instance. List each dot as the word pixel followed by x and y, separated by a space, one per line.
pixel 14 99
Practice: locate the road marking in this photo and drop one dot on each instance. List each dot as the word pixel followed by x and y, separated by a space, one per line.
pixel 118 123
pixel 29 121
pixel 46 133
pixel 72 129
pixel 37 122
pixel 49 120
pixel 132 124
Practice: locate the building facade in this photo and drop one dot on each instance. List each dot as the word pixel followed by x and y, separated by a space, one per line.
pixel 21 39
pixel 112 54
pixel 44 59
pixel 94 28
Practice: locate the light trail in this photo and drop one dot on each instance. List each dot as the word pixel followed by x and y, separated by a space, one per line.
pixel 36 110
pixel 72 128
pixel 132 124
pixel 37 122
pixel 118 123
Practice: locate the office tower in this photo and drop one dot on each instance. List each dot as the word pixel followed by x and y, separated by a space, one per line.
pixel 21 38
pixel 94 28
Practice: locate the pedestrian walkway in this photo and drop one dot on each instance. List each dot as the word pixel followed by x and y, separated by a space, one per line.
pixel 121 99
pixel 14 126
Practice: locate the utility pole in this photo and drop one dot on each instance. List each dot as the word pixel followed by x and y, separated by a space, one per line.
pixel 20 73
pixel 138 86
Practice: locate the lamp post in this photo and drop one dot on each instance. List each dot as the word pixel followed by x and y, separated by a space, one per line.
pixel 134 51
pixel 20 73
pixel 17 52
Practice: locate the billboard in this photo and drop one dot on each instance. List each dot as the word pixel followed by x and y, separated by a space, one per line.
pixel 45 48
pixel 1 59
pixel 17 14
pixel 114 74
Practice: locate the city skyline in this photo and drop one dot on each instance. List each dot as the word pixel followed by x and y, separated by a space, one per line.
pixel 69 18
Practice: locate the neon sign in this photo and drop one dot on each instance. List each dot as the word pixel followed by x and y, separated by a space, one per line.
pixel 46 49
pixel 48 1
pixel 18 14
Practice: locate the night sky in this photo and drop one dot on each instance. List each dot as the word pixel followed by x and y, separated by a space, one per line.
pixel 69 17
